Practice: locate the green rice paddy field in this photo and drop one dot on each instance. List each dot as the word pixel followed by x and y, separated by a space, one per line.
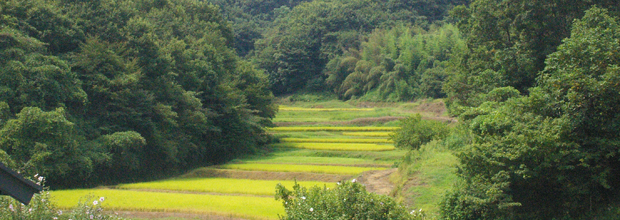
pixel 345 151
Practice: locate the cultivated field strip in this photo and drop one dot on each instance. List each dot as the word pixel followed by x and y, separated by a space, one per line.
pixel 337 146
pixel 219 185
pixel 349 129
pixel 250 207
pixel 286 108
pixel 341 170
pixel 284 159
pixel 338 140
pixel 368 134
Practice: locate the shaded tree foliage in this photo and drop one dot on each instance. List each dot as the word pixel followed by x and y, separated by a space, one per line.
pixel 509 42
pixel 397 64
pixel 553 153
pixel 297 47
pixel 143 89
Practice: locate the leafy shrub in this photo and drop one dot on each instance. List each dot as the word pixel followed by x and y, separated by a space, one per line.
pixel 349 200
pixel 415 132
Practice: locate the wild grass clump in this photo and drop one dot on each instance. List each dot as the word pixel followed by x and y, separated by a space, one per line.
pixel 341 170
pixel 337 146
pixel 349 200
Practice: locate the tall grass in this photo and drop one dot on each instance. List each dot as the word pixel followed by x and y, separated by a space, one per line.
pixel 239 206
pixel 434 167
pixel 341 170
pixel 337 146
pixel 220 185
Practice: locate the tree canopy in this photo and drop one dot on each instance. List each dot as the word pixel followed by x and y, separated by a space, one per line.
pixel 116 90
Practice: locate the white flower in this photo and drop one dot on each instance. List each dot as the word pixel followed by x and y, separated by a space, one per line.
pixel 412 211
pixel 101 199
pixel 59 212
pixel 311 209
pixel 30 210
pixel 353 180
pixel 91 216
pixel 54 218
pixel 11 207
pixel 303 197
pixel 40 178
pixel 36 175
pixel 95 202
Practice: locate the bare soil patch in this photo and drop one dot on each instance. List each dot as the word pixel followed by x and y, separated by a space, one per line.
pixel 377 181
pixel 264 175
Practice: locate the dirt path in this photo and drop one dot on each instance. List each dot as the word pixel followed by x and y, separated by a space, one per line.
pixel 377 181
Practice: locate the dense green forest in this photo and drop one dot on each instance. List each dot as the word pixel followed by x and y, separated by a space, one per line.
pixel 119 90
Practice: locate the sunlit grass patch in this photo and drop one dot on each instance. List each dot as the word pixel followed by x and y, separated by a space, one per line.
pixel 240 206
pixel 275 129
pixel 368 134
pixel 341 170
pixel 220 185
pixel 337 140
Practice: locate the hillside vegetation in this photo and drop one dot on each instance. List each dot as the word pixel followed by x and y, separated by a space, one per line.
pixel 95 92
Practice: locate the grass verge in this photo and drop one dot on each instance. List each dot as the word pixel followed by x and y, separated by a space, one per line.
pixel 425 175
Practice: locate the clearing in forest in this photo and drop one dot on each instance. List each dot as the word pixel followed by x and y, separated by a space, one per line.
pixel 320 146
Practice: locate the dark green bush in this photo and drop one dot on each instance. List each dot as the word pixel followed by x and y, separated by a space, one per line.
pixel 415 132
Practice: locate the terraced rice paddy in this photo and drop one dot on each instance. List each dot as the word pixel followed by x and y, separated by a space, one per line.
pixel 337 146
pixel 322 155
pixel 277 129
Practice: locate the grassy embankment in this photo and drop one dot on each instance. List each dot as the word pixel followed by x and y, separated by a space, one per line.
pixel 327 146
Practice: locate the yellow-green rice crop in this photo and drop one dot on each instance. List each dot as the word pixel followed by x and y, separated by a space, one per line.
pixel 333 129
pixel 241 206
pixel 286 108
pixel 337 146
pixel 368 134
pixel 337 140
pixel 342 170
pixel 220 185
pixel 317 160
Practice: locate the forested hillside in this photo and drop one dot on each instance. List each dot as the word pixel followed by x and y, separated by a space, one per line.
pixel 103 91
